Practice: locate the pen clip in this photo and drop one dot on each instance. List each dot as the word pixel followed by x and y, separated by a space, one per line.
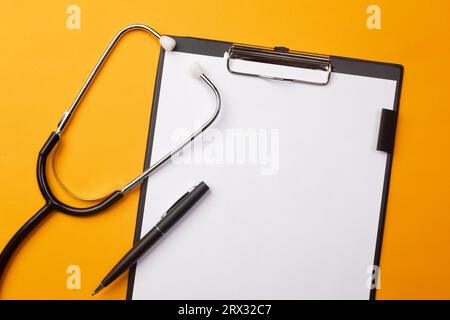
pixel 178 201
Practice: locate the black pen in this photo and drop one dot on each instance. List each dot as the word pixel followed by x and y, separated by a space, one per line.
pixel 168 220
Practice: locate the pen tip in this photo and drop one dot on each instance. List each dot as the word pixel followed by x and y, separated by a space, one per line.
pixel 99 288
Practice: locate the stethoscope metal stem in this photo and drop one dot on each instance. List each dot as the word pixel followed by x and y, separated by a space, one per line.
pixel 138 180
pixel 68 114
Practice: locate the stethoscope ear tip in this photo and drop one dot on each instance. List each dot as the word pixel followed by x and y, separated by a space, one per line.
pixel 196 70
pixel 167 43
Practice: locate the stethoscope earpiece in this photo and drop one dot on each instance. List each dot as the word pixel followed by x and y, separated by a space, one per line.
pixel 167 43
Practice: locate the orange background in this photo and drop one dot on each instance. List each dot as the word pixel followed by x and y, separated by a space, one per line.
pixel 43 65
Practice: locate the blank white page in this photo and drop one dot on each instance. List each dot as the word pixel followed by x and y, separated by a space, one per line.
pixel 295 218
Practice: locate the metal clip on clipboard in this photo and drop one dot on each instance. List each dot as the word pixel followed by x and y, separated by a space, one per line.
pixel 279 64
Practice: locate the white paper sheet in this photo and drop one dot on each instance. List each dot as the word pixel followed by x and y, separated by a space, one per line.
pixel 297 217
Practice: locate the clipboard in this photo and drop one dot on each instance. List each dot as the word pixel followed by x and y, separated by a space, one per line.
pixel 318 72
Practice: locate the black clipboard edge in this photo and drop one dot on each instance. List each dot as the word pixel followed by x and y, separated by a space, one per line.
pixel 344 65
pixel 366 68
pixel 387 180
pixel 144 185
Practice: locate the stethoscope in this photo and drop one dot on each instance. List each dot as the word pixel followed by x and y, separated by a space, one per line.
pixel 52 144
